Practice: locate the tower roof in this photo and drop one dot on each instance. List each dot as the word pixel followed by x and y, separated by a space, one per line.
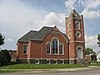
pixel 74 14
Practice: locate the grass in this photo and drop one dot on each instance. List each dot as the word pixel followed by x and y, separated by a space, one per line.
pixel 8 70
pixel 30 67
pixel 95 63
pixel 40 66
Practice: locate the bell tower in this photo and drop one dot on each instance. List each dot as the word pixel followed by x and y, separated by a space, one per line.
pixel 75 33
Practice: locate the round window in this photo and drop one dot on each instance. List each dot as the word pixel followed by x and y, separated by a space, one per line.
pixel 78 34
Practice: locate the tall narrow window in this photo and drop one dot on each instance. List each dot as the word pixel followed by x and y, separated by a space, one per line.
pixel 48 48
pixel 61 49
pixel 55 46
pixel 69 26
pixel 77 25
pixel 25 48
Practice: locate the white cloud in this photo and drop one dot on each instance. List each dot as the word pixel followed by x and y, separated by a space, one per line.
pixel 91 42
pixel 90 8
pixel 91 14
pixel 69 4
pixel 53 18
pixel 92 4
pixel 16 19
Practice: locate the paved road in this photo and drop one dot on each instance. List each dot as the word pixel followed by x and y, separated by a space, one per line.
pixel 85 72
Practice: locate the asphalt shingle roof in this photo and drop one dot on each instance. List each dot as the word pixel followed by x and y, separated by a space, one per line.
pixel 38 35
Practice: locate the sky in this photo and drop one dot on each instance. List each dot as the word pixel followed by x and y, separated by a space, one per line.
pixel 17 17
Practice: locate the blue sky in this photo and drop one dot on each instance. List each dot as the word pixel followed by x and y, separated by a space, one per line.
pixel 17 17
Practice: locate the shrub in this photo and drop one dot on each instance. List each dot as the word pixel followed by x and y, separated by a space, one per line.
pixel 4 57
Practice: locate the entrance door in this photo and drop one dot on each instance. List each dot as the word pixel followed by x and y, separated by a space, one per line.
pixel 79 52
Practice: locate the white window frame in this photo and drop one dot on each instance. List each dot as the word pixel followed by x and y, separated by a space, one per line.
pixel 69 26
pixel 24 48
pixel 52 46
pixel 78 49
pixel 36 61
pixel 62 48
pixel 77 26
pixel 77 33
pixel 47 48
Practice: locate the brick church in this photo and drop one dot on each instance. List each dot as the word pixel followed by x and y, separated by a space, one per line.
pixel 50 46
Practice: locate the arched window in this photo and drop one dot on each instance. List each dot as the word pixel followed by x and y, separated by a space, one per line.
pixel 69 28
pixel 61 49
pixel 77 25
pixel 48 48
pixel 55 46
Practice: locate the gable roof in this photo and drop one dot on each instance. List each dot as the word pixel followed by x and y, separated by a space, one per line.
pixel 38 35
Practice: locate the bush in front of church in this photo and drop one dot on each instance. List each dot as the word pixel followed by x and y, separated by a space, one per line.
pixel 5 57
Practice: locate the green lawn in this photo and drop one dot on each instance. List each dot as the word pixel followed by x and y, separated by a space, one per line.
pixel 95 63
pixel 8 70
pixel 40 66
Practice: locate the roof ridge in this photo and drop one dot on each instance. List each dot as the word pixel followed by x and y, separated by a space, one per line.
pixel 33 31
pixel 45 27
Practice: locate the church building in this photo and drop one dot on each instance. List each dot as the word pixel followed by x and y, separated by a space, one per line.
pixel 50 46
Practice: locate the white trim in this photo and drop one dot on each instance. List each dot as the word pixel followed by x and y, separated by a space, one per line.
pixel 78 41
pixel 69 26
pixel 50 47
pixel 37 61
pixel 47 58
pixel 81 51
pixel 78 47
pixel 62 49
pixel 79 34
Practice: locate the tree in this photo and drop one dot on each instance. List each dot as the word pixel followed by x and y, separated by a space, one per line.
pixel 4 57
pixel 98 40
pixel 1 39
pixel 89 51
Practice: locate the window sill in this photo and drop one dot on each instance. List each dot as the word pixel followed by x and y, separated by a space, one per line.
pixel 55 54
pixel 25 54
pixel 48 54
pixel 61 54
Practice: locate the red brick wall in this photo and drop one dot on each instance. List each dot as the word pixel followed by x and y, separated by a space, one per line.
pixel 20 51
pixel 49 39
pixel 37 49
pixel 34 49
